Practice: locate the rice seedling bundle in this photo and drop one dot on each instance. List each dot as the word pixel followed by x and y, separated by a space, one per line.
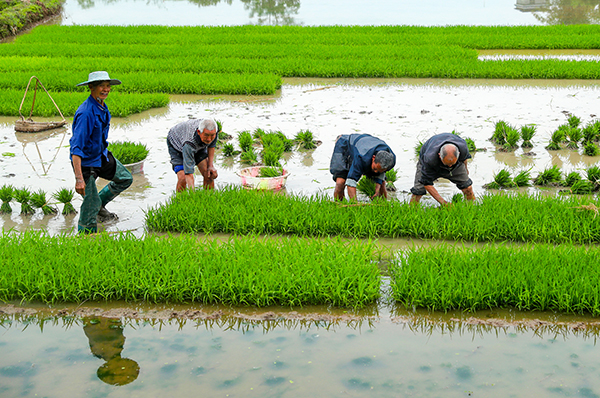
pixel 590 132
pixel 6 195
pixel 574 121
pixel 593 174
pixel 305 139
pixel 582 187
pixel 128 152
pixel 523 179
pixel 249 157
pixel 572 178
pixel 38 200
pixel 519 218
pixel 512 137
pixel 366 186
pixel 532 277
pixel 23 196
pixel 575 135
pixel 390 178
pixel 527 133
pixel 228 150
pixel 270 172
pixel 591 149
pixel 502 179
pixel 551 175
pixel 245 141
pixel 499 136
pixel 241 271
pixel 65 196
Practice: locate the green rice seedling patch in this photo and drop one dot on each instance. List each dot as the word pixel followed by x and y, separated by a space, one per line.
pixel 242 271
pixel 518 218
pixel 532 277
pixel 128 152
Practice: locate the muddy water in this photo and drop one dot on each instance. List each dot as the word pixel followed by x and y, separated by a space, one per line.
pixel 243 353
pixel 402 112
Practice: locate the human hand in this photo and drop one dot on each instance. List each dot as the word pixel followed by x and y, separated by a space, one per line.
pixel 80 186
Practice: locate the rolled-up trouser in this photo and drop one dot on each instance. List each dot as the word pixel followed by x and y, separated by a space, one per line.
pixel 458 176
pixel 93 200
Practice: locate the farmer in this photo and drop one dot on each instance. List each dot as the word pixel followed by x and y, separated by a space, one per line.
pixel 90 157
pixel 356 155
pixel 443 155
pixel 192 143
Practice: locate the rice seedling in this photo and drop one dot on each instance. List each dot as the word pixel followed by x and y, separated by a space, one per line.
pixel 575 135
pixel 390 178
pixel 591 149
pixel 532 277
pixel 471 145
pixel 590 132
pixel 573 121
pixel 366 186
pixel 272 154
pixel 499 136
pixel 523 179
pixel 527 133
pixel 258 133
pixel 269 172
pixel 229 150
pixel 245 141
pixel 458 198
pixel 247 271
pixel 128 152
pixel 558 137
pixel 288 144
pixel 572 178
pixel 511 217
pixel 249 157
pixel 6 195
pixel 65 196
pixel 23 196
pixel 305 139
pixel 551 175
pixel 418 148
pixel 38 200
pixel 593 174
pixel 502 179
pixel 582 187
pixel 512 136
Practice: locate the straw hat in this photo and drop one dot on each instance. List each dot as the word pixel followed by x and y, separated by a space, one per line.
pixel 100 76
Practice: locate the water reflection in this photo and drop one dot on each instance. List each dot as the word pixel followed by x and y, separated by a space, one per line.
pixel 106 342
pixel 41 163
pixel 568 12
pixel 273 12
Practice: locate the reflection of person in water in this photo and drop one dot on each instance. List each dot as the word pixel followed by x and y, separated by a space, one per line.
pixel 106 342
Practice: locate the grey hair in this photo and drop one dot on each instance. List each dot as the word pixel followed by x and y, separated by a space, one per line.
pixel 385 159
pixel 207 124
pixel 448 149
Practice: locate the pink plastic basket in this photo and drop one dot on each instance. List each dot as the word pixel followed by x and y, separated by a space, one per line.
pixel 250 179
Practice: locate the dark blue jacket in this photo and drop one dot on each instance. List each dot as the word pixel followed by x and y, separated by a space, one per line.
pixel 90 133
pixel 431 164
pixel 361 149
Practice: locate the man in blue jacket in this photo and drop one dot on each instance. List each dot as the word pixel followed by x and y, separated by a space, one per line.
pixel 91 158
pixel 356 155
pixel 442 156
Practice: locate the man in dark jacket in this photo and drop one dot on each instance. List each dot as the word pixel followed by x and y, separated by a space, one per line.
pixel 442 156
pixel 356 155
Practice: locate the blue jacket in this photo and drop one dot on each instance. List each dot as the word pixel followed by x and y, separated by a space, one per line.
pixel 431 164
pixel 90 133
pixel 361 149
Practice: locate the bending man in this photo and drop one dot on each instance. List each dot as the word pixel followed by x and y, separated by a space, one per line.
pixel 356 155
pixel 90 157
pixel 442 156
pixel 192 143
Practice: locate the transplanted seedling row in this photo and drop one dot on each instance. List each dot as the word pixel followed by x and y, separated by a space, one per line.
pixel 29 201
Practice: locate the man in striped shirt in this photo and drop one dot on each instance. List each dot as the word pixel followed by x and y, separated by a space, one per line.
pixel 192 143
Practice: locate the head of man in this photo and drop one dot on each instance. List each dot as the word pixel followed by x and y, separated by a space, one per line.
pixel 99 84
pixel 207 130
pixel 382 162
pixel 449 154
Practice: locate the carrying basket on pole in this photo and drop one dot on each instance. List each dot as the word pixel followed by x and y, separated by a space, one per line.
pixel 30 126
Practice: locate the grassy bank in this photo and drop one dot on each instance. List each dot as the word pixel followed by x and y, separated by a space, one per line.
pixel 518 218
pixel 253 59
pixel 242 271
pixel 17 15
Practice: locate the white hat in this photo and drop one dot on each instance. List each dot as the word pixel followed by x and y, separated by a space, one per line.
pixel 100 76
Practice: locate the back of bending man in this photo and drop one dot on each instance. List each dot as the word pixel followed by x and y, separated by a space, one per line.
pixel 355 155
pixel 192 143
pixel 442 156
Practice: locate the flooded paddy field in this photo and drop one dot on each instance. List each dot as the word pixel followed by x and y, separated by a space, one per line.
pixel 113 351
pixel 401 112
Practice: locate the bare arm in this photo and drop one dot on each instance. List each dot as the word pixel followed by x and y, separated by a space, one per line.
pixel 435 194
pixel 79 182
pixel 352 193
